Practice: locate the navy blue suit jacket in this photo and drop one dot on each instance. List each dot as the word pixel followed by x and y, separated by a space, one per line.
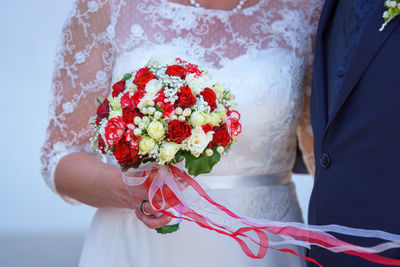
pixel 357 148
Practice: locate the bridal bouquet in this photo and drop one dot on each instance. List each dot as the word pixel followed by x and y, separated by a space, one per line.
pixel 165 113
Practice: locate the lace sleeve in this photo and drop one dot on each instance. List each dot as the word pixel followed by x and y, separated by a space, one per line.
pixel 304 130
pixel 82 72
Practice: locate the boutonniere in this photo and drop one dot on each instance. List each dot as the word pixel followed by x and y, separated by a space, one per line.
pixel 393 10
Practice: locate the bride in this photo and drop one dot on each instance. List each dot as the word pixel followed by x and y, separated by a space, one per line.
pixel 261 49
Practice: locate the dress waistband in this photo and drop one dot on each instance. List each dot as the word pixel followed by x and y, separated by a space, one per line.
pixel 238 181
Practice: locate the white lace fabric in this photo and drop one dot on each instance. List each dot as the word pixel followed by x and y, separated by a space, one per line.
pixel 263 53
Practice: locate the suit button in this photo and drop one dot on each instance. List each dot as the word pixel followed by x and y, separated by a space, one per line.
pixel 324 160
pixel 340 73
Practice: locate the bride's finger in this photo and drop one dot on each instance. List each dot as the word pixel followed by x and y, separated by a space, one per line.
pixel 149 209
pixel 153 222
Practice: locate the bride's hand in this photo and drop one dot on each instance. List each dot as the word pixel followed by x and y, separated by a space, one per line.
pixel 90 181
pixel 139 194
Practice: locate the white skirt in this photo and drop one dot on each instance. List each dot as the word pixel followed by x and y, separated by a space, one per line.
pixel 118 239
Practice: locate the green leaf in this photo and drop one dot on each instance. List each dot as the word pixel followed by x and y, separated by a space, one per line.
pixel 98 101
pixel 148 160
pixel 127 76
pixel 167 229
pixel 202 164
pixel 179 156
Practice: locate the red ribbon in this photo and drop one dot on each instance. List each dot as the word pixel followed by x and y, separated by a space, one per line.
pixel 313 238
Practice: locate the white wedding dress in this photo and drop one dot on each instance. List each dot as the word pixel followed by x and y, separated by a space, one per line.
pixel 262 53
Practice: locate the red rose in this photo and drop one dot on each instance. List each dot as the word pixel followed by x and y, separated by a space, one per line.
pixel 124 154
pixel 137 96
pixel 126 101
pixel 98 120
pixel 210 97
pixel 179 131
pixel 221 136
pixel 129 114
pixel 142 77
pixel 176 70
pixel 130 136
pixel 167 108
pixel 207 127
pixel 100 144
pixel 160 98
pixel 118 88
pixel 114 130
pixel 103 111
pixel 186 98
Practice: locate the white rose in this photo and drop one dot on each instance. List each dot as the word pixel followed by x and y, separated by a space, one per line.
pixel 146 144
pixel 153 87
pixel 197 118
pixel 147 100
pixel 212 118
pixel 198 141
pixel 115 113
pixel 393 4
pixel 156 130
pixel 221 111
pixel 168 151
pixel 219 90
pixel 131 87
pixel 209 152
pixel 115 103
pixel 197 84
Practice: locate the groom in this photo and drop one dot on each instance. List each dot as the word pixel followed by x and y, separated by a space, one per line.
pixel 355 110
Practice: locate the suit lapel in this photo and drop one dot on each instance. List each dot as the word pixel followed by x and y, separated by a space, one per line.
pixel 368 45
pixel 319 73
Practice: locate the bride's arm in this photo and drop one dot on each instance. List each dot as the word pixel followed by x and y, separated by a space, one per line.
pixel 304 130
pixel 83 72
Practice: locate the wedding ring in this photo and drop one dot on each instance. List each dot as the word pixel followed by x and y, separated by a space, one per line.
pixel 142 208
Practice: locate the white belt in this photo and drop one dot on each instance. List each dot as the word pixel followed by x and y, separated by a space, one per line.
pixel 235 181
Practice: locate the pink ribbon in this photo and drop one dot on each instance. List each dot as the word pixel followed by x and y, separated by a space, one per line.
pixel 163 182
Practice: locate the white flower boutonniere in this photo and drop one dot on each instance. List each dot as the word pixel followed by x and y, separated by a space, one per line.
pixel 393 10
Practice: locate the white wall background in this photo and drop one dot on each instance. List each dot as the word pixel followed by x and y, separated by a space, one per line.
pixel 36 227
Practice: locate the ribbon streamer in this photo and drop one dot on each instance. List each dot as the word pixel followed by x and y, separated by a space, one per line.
pixel 168 184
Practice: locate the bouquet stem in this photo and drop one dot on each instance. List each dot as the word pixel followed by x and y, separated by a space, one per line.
pixel 173 225
pixel 167 229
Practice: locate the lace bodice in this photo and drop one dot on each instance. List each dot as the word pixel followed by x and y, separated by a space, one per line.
pixel 263 53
